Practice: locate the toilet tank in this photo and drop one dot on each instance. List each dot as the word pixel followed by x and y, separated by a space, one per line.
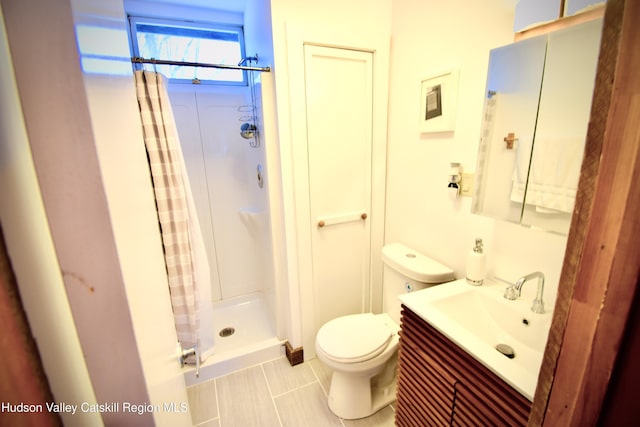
pixel 407 270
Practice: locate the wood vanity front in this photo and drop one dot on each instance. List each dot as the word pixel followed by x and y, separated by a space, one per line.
pixel 439 384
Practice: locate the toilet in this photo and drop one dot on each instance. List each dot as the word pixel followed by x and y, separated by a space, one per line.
pixel 362 349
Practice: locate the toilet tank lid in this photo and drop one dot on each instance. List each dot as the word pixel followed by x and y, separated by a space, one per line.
pixel 415 265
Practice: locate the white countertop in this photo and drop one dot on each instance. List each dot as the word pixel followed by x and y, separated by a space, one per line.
pixel 451 308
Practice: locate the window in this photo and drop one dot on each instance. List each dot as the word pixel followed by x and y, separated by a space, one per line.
pixel 190 42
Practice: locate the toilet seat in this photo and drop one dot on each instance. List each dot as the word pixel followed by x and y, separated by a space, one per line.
pixel 354 338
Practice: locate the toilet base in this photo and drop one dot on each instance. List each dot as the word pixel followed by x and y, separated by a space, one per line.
pixel 352 397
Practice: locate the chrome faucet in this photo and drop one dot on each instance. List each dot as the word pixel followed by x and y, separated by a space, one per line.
pixel 515 290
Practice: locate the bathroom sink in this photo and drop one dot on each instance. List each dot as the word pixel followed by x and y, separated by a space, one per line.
pixel 493 320
pixel 479 319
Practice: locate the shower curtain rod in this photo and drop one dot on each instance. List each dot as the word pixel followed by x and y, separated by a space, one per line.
pixel 140 60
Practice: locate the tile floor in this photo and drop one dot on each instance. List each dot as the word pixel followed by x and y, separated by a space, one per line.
pixel 273 394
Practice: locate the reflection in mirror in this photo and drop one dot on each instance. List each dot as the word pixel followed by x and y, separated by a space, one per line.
pixel 534 127
pixel 511 105
pixel 561 129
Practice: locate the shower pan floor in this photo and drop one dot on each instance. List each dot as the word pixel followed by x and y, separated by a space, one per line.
pixel 248 316
pixel 254 339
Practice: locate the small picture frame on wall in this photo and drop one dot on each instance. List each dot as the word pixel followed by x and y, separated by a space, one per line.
pixel 438 102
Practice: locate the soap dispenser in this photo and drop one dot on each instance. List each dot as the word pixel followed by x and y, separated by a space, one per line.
pixel 476 265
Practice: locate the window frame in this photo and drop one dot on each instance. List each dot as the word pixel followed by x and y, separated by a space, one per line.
pixel 134 20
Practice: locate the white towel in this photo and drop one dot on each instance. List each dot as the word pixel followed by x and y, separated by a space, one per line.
pixel 554 174
pixel 522 148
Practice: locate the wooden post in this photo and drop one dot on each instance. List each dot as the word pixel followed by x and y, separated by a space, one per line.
pixel 602 262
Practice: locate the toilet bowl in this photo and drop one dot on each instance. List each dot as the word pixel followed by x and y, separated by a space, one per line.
pixel 361 349
pixel 358 348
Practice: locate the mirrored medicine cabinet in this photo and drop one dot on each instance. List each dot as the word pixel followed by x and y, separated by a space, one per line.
pixel 536 113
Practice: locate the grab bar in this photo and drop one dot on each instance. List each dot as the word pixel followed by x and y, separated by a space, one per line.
pixel 342 218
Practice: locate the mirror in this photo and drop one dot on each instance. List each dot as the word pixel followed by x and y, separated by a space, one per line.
pixel 511 104
pixel 536 113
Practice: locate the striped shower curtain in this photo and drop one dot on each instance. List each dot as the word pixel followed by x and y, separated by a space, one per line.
pixel 486 135
pixel 184 251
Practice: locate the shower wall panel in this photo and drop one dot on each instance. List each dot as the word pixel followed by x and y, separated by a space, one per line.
pixel 222 168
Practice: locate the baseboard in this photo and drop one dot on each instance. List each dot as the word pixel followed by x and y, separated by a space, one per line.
pixel 295 356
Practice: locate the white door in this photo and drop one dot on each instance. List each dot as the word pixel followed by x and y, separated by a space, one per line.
pixel 339 96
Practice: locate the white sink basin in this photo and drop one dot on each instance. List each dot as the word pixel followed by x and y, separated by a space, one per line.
pixel 478 318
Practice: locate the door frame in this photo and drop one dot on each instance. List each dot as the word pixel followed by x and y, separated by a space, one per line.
pixel 105 246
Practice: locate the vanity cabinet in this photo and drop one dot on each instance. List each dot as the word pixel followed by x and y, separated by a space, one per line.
pixel 439 384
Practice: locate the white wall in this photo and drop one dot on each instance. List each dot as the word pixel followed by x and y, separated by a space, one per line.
pixel 427 37
pixel 258 35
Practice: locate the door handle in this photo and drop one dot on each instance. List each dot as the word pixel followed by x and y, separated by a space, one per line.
pixel 185 353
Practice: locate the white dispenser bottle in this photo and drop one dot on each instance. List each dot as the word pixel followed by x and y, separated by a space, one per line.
pixel 476 265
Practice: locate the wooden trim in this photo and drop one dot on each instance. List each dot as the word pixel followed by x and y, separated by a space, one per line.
pixel 602 260
pixel 620 406
pixel 295 356
pixel 558 24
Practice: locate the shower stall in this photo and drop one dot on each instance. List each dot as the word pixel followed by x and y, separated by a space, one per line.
pixel 219 127
pixel 220 118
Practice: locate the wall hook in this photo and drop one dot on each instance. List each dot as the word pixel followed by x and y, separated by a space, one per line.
pixel 510 139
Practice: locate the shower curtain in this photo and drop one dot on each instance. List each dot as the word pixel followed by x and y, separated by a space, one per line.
pixel 488 123
pixel 184 250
